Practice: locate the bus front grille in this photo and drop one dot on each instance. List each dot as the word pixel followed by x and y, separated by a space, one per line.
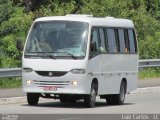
pixel 50 83
pixel 51 73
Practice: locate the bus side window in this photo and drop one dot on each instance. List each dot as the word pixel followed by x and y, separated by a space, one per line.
pixel 111 41
pixel 122 40
pixel 127 46
pixel 102 39
pixel 95 40
pixel 117 40
pixel 132 41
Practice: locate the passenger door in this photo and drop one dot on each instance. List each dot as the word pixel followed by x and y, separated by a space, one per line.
pixel 94 56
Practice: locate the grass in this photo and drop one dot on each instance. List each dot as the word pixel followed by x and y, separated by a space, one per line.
pixel 13 82
pixel 149 73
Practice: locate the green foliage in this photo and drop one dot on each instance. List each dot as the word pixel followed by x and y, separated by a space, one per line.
pixel 16 17
pixel 150 47
pixel 10 82
pixel 149 73
pixel 14 25
pixel 5 13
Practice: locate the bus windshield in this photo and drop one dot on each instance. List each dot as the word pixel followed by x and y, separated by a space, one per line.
pixel 56 39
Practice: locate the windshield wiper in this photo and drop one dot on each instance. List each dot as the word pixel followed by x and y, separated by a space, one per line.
pixel 42 54
pixel 71 55
pixel 51 56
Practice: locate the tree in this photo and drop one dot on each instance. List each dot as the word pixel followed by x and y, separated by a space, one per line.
pixel 16 17
pixel 14 24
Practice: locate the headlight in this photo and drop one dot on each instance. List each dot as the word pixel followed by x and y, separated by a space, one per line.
pixel 27 69
pixel 29 82
pixel 74 83
pixel 78 71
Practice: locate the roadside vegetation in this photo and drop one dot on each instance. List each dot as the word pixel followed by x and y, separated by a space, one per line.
pixel 149 73
pixel 10 82
pixel 16 17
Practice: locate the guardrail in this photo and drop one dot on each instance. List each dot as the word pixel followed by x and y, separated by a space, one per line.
pixel 11 72
pixel 149 63
pixel 17 72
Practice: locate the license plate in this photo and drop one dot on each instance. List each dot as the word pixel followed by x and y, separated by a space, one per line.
pixel 50 88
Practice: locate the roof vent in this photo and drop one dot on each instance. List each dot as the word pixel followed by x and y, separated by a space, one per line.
pixel 79 15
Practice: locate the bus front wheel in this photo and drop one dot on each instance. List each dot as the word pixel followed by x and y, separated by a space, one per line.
pixel 89 100
pixel 32 98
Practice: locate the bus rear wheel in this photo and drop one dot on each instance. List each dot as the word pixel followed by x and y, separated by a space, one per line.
pixel 117 99
pixel 89 100
pixel 32 98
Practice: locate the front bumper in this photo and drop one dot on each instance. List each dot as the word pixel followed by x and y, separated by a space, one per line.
pixel 62 84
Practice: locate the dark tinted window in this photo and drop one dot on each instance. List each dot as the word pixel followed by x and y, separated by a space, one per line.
pixel 114 40
pixel 95 37
pixel 132 41
pixel 127 46
pixel 95 42
pixel 111 40
pixel 106 40
pixel 102 39
pixel 122 40
pixel 117 40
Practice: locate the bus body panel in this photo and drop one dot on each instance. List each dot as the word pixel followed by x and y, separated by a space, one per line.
pixel 110 69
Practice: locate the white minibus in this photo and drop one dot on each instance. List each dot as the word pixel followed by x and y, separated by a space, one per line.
pixel 79 57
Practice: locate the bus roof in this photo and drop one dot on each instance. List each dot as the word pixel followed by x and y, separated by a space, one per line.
pixel 93 21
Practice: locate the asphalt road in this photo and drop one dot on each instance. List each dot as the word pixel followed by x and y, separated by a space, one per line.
pixel 134 103
pixel 17 92
pixel 137 106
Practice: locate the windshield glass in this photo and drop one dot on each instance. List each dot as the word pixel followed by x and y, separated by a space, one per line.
pixel 57 39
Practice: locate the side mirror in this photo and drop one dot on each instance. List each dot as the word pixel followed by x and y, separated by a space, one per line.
pixel 19 45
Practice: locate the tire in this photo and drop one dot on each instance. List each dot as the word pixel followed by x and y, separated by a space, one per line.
pixel 32 98
pixel 117 99
pixel 89 100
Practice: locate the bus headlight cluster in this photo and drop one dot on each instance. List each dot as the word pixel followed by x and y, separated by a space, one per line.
pixel 78 71
pixel 75 83
pixel 29 82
